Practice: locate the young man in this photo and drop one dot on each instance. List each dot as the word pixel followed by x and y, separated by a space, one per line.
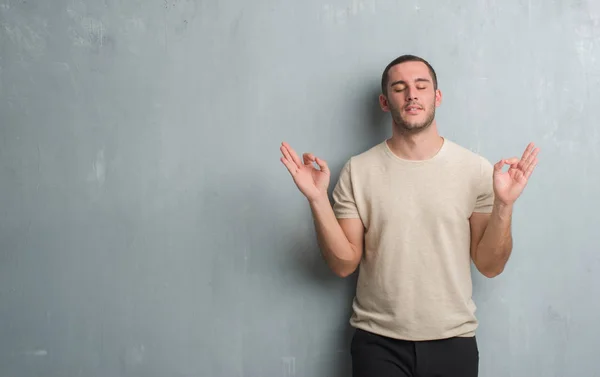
pixel 422 208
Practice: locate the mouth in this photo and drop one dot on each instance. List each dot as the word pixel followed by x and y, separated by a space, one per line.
pixel 413 109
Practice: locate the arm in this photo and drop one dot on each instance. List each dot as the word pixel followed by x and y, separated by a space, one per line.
pixel 491 239
pixel 491 236
pixel 341 241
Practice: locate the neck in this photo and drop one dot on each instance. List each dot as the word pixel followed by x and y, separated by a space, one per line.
pixel 422 145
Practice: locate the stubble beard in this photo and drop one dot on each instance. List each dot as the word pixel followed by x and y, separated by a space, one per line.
pixel 406 127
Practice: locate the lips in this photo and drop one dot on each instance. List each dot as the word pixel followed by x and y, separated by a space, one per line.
pixel 413 109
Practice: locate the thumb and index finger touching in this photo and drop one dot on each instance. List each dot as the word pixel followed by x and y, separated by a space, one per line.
pixel 513 161
pixel 308 158
pixel 526 162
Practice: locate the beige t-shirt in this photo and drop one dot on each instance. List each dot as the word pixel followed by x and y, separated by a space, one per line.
pixel 414 280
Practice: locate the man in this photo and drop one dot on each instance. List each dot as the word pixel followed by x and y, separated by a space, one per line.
pixel 422 208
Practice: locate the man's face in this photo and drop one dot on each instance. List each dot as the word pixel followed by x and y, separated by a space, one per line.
pixel 411 97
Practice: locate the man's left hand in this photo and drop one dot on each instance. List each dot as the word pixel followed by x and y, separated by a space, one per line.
pixel 509 185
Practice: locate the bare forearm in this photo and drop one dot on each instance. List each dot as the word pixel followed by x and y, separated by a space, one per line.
pixel 339 253
pixel 495 246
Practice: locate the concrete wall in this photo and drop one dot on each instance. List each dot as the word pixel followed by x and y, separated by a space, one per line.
pixel 147 227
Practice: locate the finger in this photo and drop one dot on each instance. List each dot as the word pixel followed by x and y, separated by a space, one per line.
pixel 532 157
pixel 290 154
pixel 499 165
pixel 308 158
pixel 293 155
pixel 527 155
pixel 513 161
pixel 531 168
pixel 322 165
pixel 527 151
pixel 286 154
pixel 291 167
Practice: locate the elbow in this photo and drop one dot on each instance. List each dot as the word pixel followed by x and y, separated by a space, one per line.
pixel 491 264
pixel 491 273
pixel 342 274
pixel 343 270
pixel 343 266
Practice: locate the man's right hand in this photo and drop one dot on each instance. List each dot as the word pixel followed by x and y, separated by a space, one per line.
pixel 312 182
pixel 341 241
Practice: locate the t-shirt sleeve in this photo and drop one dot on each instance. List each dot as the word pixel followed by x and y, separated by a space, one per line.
pixel 344 204
pixel 485 194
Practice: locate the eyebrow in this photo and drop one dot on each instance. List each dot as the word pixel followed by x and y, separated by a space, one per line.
pixel 404 82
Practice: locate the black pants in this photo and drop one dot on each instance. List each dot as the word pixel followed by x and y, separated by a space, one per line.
pixel 377 356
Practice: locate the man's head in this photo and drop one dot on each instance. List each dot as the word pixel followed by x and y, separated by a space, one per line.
pixel 410 93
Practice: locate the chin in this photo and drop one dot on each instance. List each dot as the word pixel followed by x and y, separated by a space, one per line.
pixel 412 127
pixel 413 122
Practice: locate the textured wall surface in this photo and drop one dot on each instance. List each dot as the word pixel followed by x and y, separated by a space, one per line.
pixel 147 227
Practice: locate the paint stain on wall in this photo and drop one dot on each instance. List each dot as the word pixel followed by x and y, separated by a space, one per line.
pixel 288 366
pixel 86 31
pixel 98 173
pixel 29 37
pixel 38 353
pixel 133 357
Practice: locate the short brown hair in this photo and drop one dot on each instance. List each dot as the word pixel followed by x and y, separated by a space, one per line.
pixel 402 59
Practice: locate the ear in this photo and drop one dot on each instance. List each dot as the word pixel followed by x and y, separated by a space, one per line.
pixel 438 97
pixel 383 103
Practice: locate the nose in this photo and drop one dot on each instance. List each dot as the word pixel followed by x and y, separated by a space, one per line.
pixel 411 94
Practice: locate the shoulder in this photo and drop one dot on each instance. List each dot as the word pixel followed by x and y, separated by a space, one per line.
pixel 477 170
pixel 362 161
pixel 351 182
pixel 370 157
pixel 475 163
